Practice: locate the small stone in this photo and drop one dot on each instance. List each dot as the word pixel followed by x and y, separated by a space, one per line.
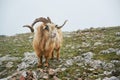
pixel 88 55
pixel 111 50
pixel 85 44
pixel 51 72
pixel 91 69
pixel 79 79
pixel 79 64
pixel 39 69
pixel 69 62
pixel 96 64
pixel 56 78
pixel 107 73
pixel 111 78
pixel 45 76
pixel 29 60
pixel 57 70
pixel 118 52
pixel 9 64
pixel 117 33
pixel 97 43
pixel 108 66
pixel 104 52
pixel 24 74
pixel 63 69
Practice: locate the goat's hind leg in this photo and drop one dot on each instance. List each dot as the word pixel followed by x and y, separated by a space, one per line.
pixel 39 55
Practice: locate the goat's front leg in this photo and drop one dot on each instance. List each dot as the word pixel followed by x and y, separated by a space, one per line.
pixel 47 56
pixel 40 61
pixel 46 60
pixel 52 55
pixel 58 53
pixel 39 55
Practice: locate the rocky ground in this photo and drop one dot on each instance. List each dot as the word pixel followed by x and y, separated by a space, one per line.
pixel 90 54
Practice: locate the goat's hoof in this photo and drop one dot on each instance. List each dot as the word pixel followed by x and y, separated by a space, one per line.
pixel 52 58
pixel 39 65
pixel 58 59
pixel 46 64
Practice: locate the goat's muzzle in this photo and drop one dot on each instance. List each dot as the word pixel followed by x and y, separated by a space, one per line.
pixel 53 35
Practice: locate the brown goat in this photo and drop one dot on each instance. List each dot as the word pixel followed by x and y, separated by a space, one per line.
pixel 47 38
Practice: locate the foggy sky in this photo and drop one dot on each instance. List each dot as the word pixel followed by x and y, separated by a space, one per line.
pixel 80 14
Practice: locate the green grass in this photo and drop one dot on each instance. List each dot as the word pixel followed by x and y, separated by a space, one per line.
pixel 17 45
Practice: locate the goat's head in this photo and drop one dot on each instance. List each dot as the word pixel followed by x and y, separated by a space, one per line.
pixel 48 27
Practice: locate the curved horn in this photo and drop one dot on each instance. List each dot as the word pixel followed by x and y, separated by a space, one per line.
pixel 62 25
pixel 41 19
pixel 31 28
pixel 49 19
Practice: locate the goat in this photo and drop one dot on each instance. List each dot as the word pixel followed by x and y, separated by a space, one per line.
pixel 47 38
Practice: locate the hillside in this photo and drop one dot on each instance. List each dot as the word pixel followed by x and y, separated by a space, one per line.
pixel 90 54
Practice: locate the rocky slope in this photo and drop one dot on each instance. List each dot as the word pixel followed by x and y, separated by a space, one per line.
pixel 90 54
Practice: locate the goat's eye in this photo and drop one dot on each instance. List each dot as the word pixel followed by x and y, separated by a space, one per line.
pixel 46 28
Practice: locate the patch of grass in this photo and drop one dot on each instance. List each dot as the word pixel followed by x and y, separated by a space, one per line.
pixel 72 46
pixel 107 57
pixel 15 45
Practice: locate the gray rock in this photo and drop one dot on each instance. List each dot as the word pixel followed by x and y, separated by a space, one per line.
pixel 84 44
pixel 111 78
pixel 117 33
pixel 23 65
pixel 77 59
pixel 56 78
pixel 45 76
pixel 108 66
pixel 118 52
pixel 97 43
pixel 63 69
pixel 111 50
pixel 104 52
pixel 107 73
pixel 88 55
pixel 24 74
pixel 96 64
pixel 9 64
pixel 69 62
pixel 79 64
pixel 8 58
pixel 51 71
pixel 115 61
pixel 29 60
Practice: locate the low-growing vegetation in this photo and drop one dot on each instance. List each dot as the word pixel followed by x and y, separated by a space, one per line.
pixel 104 43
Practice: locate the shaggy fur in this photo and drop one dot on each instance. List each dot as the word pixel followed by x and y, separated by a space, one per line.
pixel 47 39
pixel 44 44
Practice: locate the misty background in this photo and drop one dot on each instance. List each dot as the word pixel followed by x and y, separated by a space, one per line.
pixel 80 14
